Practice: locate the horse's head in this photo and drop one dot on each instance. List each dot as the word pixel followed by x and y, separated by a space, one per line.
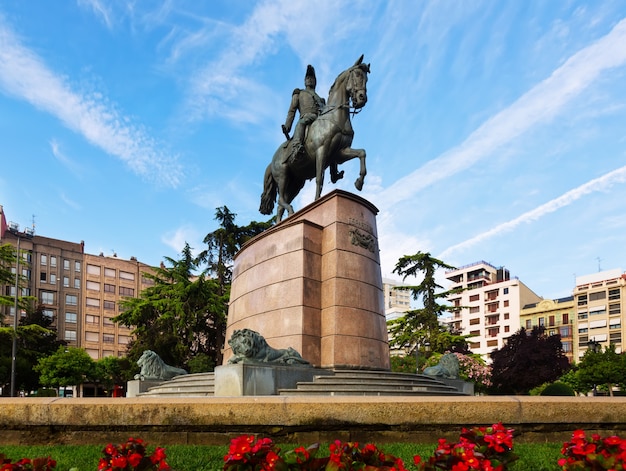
pixel 353 83
pixel 357 83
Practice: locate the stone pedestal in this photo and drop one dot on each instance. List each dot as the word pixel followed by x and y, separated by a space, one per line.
pixel 245 379
pixel 313 282
pixel 138 386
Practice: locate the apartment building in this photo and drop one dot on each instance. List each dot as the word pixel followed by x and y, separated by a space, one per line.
pixel 107 281
pixel 557 316
pixel 78 291
pixel 397 301
pixel 488 306
pixel 599 301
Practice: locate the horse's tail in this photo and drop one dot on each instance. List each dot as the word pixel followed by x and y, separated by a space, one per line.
pixel 270 189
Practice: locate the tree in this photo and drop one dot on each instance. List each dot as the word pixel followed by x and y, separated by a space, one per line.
pixel 179 317
pixel 68 366
pixel 111 371
pixel 223 243
pixel 528 360
pixel 36 338
pixel 599 367
pixel 421 326
pixel 7 259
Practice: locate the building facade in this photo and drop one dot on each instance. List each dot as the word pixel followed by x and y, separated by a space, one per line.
pixel 487 305
pixel 557 316
pixel 599 301
pixel 397 301
pixel 78 291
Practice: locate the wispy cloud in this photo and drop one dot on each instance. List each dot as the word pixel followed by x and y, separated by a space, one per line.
pixel 70 164
pixel 100 10
pixel 184 234
pixel 25 75
pixel 540 104
pixel 598 184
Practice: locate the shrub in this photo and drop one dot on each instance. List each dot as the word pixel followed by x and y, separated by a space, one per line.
pixel 558 389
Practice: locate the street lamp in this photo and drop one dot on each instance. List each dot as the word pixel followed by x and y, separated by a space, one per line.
pixel 14 229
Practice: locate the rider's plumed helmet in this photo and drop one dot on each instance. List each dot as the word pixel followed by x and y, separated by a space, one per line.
pixel 310 73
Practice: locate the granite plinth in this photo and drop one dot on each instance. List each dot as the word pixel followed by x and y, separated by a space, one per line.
pixel 138 386
pixel 313 282
pixel 254 379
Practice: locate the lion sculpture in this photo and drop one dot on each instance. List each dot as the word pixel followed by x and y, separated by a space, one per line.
pixel 448 367
pixel 251 347
pixel 153 368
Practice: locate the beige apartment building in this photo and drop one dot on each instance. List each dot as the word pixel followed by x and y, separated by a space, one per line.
pixel 397 301
pixel 557 316
pixel 78 291
pixel 488 306
pixel 599 301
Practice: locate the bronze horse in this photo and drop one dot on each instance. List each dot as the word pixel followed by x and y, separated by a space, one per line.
pixel 327 142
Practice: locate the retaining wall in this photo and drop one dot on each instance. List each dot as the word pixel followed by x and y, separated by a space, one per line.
pixel 304 420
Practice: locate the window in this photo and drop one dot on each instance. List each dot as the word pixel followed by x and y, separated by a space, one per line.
pixel 109 305
pixel 529 324
pixel 43 277
pixel 124 275
pixel 109 272
pixel 506 328
pixel 582 315
pixel 506 316
pixel 92 336
pixel 567 346
pixel 53 279
pixel 582 300
pixel 542 321
pixel 614 309
pixel 47 297
pixel 505 290
pixel 493 332
pixel 77 283
pixel 71 299
pixel 108 338
pixel 93 269
pixel 474 321
pixel 89 319
pixel 44 259
pixel 474 333
pixel 474 309
pixel 474 297
pixel 108 288
pixel 565 331
pixel 492 343
pixel 615 326
pixel 93 302
pixel 70 317
pixel 77 267
pixel 53 261
pixel 597 296
pixel 92 285
pixel 108 321
pixel 66 264
pixel 583 331
pixel 506 303
pixel 614 294
pixel 566 318
pixel 474 345
pixel 123 339
pixel 551 321
pixel 70 335
pixel 66 281
pixel 124 291
pixel 49 313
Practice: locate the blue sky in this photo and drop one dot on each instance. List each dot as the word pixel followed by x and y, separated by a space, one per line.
pixel 494 130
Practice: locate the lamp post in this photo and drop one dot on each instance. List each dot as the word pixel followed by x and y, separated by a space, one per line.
pixel 594 345
pixel 14 348
pixel 28 233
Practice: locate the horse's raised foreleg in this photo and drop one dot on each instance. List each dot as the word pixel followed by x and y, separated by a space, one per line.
pixel 348 154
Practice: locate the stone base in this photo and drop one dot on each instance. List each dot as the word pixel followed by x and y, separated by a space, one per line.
pixel 246 379
pixel 460 385
pixel 138 386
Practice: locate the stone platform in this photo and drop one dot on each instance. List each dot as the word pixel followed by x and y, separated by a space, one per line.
pixel 313 282
pixel 303 420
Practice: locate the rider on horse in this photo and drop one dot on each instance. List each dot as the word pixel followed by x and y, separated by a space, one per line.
pixel 310 105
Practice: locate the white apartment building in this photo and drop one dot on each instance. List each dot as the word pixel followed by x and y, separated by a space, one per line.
pixel 488 307
pixel 599 300
pixel 397 301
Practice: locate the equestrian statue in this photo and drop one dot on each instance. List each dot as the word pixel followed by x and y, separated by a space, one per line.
pixel 322 139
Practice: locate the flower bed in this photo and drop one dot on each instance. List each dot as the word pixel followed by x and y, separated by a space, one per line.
pixel 478 448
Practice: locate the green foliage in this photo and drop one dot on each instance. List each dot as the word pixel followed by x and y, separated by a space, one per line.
pixel 179 317
pixel 68 366
pixel 110 371
pixel 201 363
pixel 605 368
pixel 36 338
pixel 7 260
pixel 528 360
pixel 421 326
pixel 403 364
pixel 557 389
pixel 571 378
